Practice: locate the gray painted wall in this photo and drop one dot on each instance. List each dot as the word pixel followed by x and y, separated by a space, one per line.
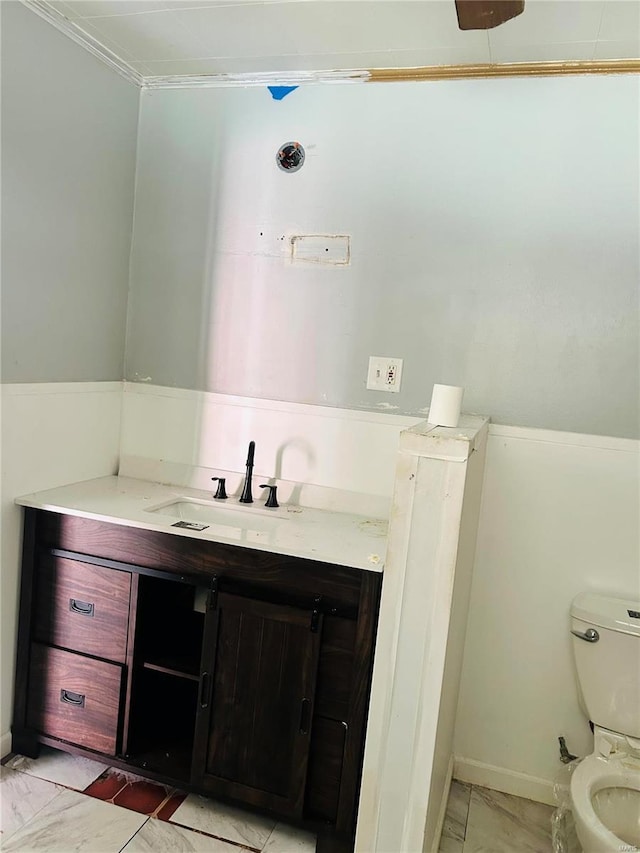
pixel 69 128
pixel 494 229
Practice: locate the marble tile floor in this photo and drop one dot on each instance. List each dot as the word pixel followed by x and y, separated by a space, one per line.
pixel 60 803
pixel 65 803
pixel 479 820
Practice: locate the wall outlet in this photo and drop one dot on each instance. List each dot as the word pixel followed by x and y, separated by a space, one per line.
pixel 384 373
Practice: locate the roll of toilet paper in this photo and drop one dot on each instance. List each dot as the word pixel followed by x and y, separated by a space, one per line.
pixel 446 401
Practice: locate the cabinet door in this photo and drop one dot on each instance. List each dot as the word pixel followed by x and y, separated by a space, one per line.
pixel 256 702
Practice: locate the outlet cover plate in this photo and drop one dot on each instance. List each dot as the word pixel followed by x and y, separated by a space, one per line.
pixel 384 374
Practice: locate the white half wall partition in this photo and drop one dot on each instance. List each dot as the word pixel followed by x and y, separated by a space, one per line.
pixel 409 746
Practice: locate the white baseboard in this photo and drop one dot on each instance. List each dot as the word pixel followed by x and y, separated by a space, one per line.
pixel 5 744
pixel 501 779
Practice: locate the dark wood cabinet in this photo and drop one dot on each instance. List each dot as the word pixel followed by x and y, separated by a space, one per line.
pixel 236 673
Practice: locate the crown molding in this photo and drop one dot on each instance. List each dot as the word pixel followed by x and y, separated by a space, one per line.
pixel 267 78
pixel 68 28
pixel 507 69
pixel 396 75
pixel 298 78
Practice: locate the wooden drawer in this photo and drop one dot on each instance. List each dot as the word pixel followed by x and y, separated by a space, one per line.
pixel 83 608
pixel 74 698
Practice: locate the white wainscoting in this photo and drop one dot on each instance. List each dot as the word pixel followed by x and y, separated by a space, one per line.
pixel 343 449
pixel 52 433
pixel 559 515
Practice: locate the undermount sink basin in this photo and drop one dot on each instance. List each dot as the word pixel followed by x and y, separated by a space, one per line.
pixel 205 512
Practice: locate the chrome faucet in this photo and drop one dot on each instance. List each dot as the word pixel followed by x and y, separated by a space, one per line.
pixel 247 497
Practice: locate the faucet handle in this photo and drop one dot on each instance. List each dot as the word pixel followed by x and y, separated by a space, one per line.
pixel 221 492
pixel 271 499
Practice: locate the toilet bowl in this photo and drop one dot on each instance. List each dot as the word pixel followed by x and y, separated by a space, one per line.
pixel 605 800
pixel 605 786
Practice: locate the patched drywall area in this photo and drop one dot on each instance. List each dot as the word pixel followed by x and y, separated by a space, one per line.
pixel 493 244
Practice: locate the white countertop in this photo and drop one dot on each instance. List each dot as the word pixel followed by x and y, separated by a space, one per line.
pixel 298 531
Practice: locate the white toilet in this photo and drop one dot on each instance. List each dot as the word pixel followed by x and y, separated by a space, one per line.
pixel 605 786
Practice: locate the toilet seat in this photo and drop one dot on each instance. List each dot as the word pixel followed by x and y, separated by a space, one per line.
pixel 594 774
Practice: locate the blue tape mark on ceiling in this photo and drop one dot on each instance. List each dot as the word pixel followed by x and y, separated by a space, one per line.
pixel 280 92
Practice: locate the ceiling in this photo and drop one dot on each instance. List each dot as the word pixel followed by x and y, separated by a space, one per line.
pixel 160 38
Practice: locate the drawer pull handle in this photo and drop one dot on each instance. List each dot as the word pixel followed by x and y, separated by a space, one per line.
pixel 70 698
pixel 84 608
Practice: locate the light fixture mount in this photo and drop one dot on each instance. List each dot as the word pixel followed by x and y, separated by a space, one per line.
pixel 290 157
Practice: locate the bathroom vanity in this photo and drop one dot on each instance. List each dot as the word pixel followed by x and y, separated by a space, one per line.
pixel 220 668
pixel 237 660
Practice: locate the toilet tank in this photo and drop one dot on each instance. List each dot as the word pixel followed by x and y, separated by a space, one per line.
pixel 608 668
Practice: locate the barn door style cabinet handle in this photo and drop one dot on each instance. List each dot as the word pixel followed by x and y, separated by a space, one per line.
pixel 305 716
pixel 204 692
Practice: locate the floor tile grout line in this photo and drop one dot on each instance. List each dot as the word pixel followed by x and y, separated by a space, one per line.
pixel 6 838
pixel 158 808
pixel 268 838
pixel 129 840
pixel 466 818
pixel 217 837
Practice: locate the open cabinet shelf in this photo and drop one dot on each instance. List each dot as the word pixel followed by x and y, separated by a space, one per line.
pixel 172 666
